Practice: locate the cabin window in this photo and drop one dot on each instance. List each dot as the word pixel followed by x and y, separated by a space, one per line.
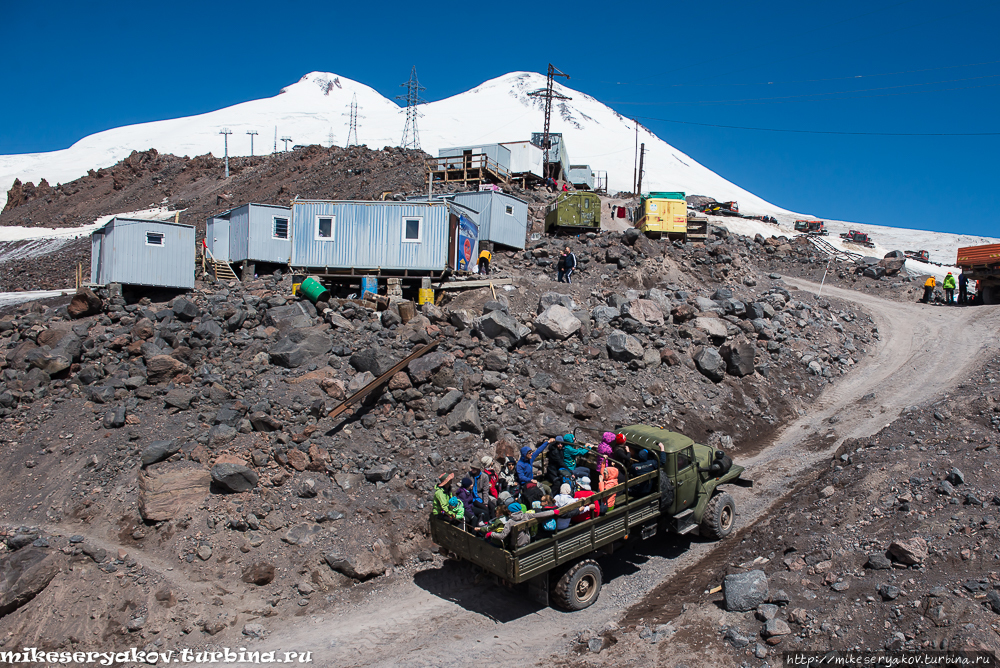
pixel 324 228
pixel 154 238
pixel 509 210
pixel 280 228
pixel 586 204
pixel 684 458
pixel 412 229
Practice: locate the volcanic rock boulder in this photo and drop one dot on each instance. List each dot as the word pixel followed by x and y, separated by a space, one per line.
pixel 47 360
pixel 683 312
pixel 24 575
pixel 496 324
pixel 714 327
pixel 909 552
pixel 745 591
pixel 157 451
pixel 361 565
pixel 170 490
pixel 301 346
pixel 710 363
pixel 161 368
pixel 557 322
pixel 739 358
pixel 465 417
pixel 234 478
pixel 185 311
pixel 422 368
pixel 624 347
pixel 84 303
pixel 260 574
pixel 376 360
pixel 892 264
pixel 644 310
pixel 288 317
pixel 551 298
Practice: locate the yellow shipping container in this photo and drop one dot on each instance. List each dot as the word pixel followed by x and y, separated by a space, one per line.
pixel 663 217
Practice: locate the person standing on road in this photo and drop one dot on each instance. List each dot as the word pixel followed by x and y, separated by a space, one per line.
pixel 929 285
pixel 963 288
pixel 949 288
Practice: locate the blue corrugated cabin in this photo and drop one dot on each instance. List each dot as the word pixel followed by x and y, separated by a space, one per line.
pixel 253 232
pixel 395 237
pixel 503 218
pixel 153 253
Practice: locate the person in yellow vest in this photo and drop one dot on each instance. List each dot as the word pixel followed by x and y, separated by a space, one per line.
pixel 929 285
pixel 485 257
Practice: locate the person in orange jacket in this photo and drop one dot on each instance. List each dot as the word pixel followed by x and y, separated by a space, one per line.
pixel 929 285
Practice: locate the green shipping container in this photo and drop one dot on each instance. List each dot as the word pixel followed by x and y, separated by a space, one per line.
pixel 574 211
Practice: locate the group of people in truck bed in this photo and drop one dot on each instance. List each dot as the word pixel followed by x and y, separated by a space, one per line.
pixel 494 498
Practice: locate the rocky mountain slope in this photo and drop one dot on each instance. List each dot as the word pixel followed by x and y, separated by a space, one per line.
pixel 179 484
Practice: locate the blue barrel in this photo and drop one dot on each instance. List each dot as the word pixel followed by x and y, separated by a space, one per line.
pixel 368 284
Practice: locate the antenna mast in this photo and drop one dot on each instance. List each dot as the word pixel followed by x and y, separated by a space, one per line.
pixel 251 133
pixel 549 94
pixel 225 132
pixel 275 139
pixel 411 139
pixel 353 131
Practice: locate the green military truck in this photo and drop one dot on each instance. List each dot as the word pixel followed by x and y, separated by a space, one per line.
pixel 681 494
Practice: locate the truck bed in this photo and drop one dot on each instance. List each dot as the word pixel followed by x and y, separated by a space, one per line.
pixel 539 556
pixel 979 256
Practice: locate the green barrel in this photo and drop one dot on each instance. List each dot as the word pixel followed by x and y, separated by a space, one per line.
pixel 314 290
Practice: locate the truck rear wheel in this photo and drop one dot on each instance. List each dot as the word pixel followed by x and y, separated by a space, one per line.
pixel 720 516
pixel 580 586
pixel 991 295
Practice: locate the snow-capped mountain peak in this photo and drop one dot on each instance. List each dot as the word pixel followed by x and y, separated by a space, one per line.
pixel 315 110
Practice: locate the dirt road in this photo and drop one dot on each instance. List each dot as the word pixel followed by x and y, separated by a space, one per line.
pixel 442 616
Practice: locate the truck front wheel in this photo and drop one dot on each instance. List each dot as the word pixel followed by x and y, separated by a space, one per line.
pixel 720 516
pixel 579 587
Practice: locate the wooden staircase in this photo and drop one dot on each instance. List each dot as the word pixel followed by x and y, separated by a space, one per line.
pixel 220 268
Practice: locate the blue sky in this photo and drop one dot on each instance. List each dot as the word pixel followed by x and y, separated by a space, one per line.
pixel 878 66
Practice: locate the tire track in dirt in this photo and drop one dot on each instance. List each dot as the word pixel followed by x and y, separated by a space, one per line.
pixel 441 617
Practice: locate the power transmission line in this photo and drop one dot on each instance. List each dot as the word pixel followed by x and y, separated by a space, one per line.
pixel 411 137
pixel 353 130
pixel 830 132
pixel 814 95
pixel 225 132
pixel 252 133
pixel 548 94
pixel 801 81
pixel 758 47
pixel 840 45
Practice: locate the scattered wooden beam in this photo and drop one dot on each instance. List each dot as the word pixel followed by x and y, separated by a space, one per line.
pixel 468 285
pixel 383 379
